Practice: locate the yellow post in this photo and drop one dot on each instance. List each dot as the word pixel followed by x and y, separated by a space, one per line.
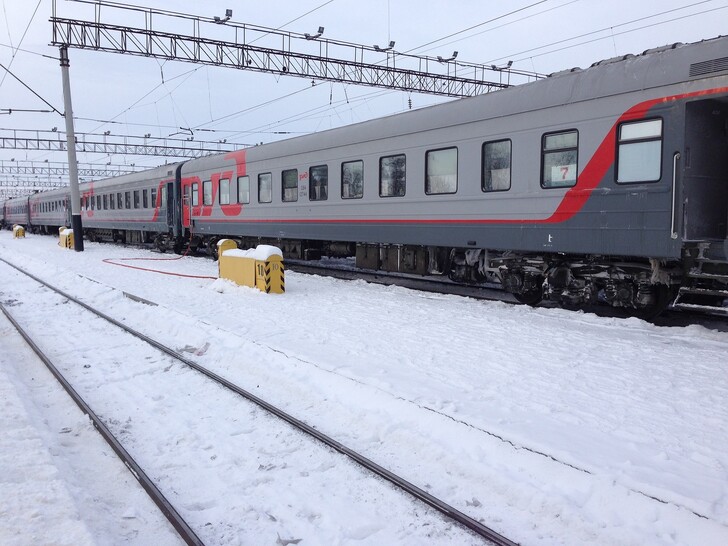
pixel 269 276
pixel 65 238
pixel 18 231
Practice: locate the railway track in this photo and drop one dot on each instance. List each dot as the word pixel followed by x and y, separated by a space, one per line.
pixel 185 531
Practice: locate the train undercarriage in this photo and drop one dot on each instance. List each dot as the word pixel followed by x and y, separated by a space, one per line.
pixel 643 288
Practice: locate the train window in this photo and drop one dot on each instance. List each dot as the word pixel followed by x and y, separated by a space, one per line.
pixel 93 202
pixel 496 166
pixel 112 201
pixel 106 201
pixel 559 159
pixel 207 192
pixel 265 188
pixel 153 197
pixel 392 175
pixel 244 189
pixel 318 183
pixel 639 151
pixel 195 194
pixel 352 180
pixel 137 200
pixel 119 201
pixel 145 199
pixel 441 171
pixel 224 191
pixel 127 199
pixel 289 185
pixel 164 197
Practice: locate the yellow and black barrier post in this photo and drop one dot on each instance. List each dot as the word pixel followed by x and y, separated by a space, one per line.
pixel 260 268
pixel 65 237
pixel 269 275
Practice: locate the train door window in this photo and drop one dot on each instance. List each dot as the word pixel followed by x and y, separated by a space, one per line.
pixel 127 200
pixel 145 199
pixel 119 201
pixel 265 188
pixel 352 180
pixel 207 192
pixel 224 191
pixel 137 200
pixel 559 159
pixel 392 176
pixel 318 183
pixel 106 201
pixel 244 189
pixel 164 197
pixel 153 197
pixel 441 171
pixel 112 201
pixel 639 151
pixel 289 185
pixel 496 166
pixel 195 194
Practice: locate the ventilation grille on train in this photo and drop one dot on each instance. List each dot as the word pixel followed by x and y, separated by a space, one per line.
pixel 709 67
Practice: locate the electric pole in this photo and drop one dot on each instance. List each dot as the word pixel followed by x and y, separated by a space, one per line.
pixel 76 224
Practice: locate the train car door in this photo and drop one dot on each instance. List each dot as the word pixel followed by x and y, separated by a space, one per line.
pixel 705 174
pixel 186 204
pixel 169 203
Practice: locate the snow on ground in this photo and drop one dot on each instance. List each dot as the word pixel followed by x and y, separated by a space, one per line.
pixel 552 427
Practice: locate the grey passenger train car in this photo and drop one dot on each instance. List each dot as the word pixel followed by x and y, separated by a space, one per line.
pixel 133 207
pixel 49 210
pixel 15 211
pixel 608 184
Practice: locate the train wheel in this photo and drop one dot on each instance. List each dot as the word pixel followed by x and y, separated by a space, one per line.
pixel 532 297
pixel 212 247
pixel 660 302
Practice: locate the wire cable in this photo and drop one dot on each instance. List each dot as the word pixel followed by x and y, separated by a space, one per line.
pixel 15 49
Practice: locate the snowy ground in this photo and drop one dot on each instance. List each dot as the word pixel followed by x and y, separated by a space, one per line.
pixel 551 427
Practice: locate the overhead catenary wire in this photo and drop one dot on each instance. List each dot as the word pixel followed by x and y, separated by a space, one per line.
pixel 30 89
pixel 15 50
pixel 611 27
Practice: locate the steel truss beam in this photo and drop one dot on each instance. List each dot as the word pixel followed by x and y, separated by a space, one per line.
pixel 61 169
pixel 103 144
pixel 29 183
pixel 458 80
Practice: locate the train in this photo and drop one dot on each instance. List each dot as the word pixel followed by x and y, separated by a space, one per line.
pixel 605 185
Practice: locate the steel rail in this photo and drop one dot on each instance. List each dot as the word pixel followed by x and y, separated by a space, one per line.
pixel 420 494
pixel 179 524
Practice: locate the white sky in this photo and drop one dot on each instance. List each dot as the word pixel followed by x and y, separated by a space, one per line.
pixel 129 90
